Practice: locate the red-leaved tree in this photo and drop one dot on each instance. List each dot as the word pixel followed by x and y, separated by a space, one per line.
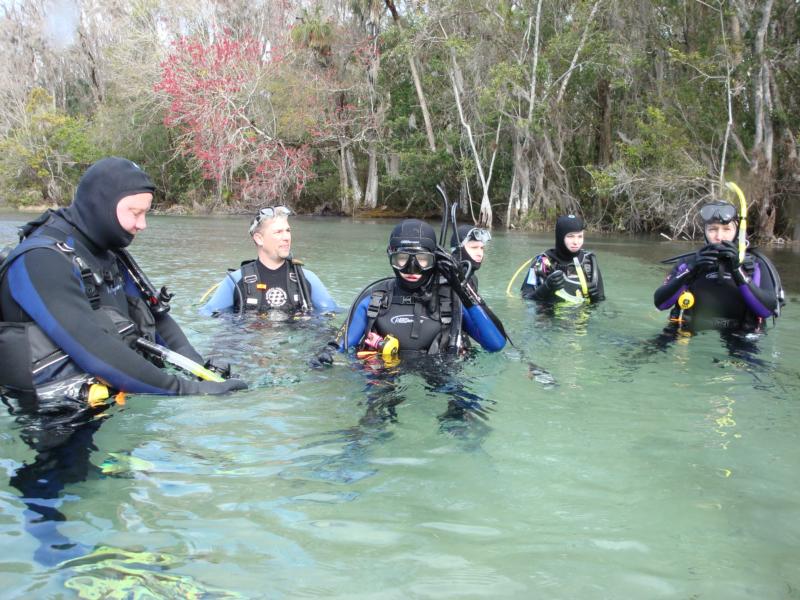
pixel 218 96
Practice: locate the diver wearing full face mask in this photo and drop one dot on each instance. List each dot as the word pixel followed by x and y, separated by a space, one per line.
pixel 427 306
pixel 720 286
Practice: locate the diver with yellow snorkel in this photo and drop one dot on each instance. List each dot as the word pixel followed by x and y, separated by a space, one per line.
pixel 721 286
pixel 566 272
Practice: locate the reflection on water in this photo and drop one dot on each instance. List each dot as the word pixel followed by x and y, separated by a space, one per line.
pixel 594 458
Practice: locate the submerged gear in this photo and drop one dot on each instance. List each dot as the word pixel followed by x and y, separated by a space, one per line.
pixel 412 236
pixel 263 289
pixel 564 225
pixel 270 212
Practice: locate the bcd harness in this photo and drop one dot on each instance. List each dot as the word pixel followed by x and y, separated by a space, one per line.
pixel 254 294
pixel 586 264
pixel 441 305
pixel 27 346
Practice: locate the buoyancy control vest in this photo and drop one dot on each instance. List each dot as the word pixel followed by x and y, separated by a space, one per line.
pixel 716 303
pixel 429 322
pixel 548 261
pixel 256 295
pixel 29 357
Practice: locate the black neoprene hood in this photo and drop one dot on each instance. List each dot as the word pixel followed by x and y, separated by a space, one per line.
pixel 94 209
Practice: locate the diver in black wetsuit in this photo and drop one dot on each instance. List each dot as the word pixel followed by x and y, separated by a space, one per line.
pixel 427 306
pixel 468 244
pixel 721 286
pixel 73 305
pixel 70 305
pixel 566 272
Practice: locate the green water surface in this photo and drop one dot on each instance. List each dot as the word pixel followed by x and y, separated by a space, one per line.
pixel 593 463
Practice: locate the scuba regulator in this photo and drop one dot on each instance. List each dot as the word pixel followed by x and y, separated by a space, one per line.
pixel 157 301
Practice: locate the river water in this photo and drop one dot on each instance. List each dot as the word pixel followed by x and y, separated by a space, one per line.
pixel 593 462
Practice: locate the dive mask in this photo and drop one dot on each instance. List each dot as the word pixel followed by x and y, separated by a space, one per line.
pixel 269 212
pixel 718 212
pixel 477 234
pixel 403 259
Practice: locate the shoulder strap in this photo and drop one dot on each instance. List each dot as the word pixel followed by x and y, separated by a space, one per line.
pixel 249 282
pixel 302 284
pixel 384 284
pixel 90 280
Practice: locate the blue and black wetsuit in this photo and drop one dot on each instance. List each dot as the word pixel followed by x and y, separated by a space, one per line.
pixel 432 321
pixel 44 286
pixel 47 309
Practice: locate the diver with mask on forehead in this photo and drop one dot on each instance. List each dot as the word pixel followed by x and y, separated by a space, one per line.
pixel 721 286
pixel 274 284
pixel 468 245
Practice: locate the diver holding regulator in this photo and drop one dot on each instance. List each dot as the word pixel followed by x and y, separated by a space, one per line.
pixel 723 286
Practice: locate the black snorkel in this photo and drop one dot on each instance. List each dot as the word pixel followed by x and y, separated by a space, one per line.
pixel 449 220
pixel 445 214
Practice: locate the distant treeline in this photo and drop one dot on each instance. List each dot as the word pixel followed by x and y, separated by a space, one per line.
pixel 629 112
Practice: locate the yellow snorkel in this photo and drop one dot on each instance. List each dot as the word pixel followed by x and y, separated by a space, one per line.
pixel 742 218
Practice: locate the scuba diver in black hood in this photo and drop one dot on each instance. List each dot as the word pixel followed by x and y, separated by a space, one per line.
pixel 566 272
pixel 75 309
pixel 74 302
pixel 721 286
pixel 468 244
pixel 426 307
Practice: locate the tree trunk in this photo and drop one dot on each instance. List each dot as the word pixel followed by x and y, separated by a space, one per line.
pixel 423 105
pixel 344 188
pixel 352 177
pixel 412 65
pixel 763 140
pixel 604 123
pixel 371 194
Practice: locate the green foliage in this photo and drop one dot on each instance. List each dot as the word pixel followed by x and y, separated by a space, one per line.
pixel 42 159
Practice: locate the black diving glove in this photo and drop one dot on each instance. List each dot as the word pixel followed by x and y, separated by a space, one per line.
pixel 324 356
pixel 555 281
pixel 729 255
pixel 706 259
pixel 212 388
pixel 452 273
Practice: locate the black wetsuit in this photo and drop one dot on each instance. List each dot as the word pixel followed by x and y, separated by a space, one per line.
pixel 43 290
pixel 432 320
pixel 720 302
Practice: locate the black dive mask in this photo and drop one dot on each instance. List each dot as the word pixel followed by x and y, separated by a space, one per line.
pixel 412 261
